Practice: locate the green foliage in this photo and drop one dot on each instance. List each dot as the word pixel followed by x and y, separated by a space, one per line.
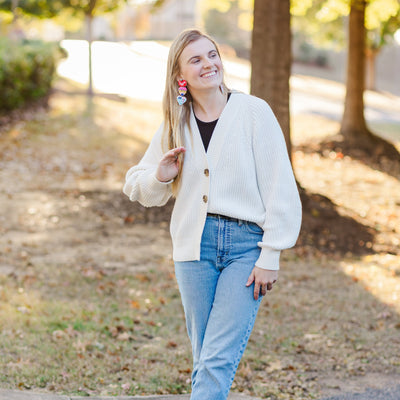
pixel 384 32
pixel 92 7
pixel 309 29
pixel 300 7
pixel 380 12
pixel 27 69
pixel 323 21
pixel 38 8
pixel 50 9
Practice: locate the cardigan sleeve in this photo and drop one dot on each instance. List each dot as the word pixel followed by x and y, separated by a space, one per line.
pixel 277 187
pixel 141 183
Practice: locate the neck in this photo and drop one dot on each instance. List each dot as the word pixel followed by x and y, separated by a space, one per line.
pixel 208 105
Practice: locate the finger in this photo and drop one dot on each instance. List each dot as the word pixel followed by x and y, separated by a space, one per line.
pixel 263 291
pixel 251 279
pixel 173 152
pixel 174 156
pixel 178 151
pixel 256 291
pixel 168 157
pixel 269 286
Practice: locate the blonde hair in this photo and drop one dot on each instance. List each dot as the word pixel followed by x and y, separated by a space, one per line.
pixel 177 116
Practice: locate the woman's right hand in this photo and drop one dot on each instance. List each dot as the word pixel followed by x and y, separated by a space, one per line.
pixel 168 166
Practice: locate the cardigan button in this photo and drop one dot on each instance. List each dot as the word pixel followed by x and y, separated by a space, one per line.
pixel 205 199
pixel 206 172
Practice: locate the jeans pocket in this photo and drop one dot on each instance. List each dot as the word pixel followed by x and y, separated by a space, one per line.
pixel 254 228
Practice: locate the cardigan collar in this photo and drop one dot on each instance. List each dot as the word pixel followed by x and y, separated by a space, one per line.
pixel 221 132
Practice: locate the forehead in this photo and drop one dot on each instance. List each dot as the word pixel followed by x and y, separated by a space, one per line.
pixel 197 48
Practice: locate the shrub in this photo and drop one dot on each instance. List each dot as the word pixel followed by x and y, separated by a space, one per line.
pixel 27 69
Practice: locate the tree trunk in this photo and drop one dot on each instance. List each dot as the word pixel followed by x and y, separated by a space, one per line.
pixel 271 58
pixel 89 20
pixel 14 5
pixel 353 126
pixel 370 62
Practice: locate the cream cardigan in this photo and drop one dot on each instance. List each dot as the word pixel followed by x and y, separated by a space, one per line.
pixel 245 174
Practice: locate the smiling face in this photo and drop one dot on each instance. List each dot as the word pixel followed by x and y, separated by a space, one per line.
pixel 201 66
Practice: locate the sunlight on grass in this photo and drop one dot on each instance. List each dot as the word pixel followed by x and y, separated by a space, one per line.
pixel 86 141
pixel 332 176
pixel 306 128
pixel 102 120
pixel 379 274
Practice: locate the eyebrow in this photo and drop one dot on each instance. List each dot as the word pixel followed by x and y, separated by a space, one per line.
pixel 211 51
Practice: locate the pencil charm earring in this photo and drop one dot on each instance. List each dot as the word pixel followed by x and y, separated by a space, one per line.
pixel 182 91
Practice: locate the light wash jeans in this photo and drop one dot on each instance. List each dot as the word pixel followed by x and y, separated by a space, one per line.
pixel 220 310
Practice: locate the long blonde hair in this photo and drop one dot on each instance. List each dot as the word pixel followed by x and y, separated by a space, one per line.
pixel 177 116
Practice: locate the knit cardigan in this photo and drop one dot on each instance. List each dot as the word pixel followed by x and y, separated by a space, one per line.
pixel 245 174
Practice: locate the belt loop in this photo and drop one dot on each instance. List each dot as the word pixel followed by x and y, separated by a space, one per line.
pixel 240 222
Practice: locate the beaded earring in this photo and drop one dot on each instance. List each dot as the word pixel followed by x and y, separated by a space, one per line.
pixel 182 91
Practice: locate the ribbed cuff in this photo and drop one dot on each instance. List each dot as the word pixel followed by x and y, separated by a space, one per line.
pixel 269 259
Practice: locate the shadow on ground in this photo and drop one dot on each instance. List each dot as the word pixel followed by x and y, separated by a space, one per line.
pixel 379 154
pixel 325 229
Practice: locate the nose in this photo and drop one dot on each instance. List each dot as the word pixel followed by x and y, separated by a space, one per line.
pixel 207 63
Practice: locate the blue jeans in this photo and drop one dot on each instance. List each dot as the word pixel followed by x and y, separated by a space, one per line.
pixel 220 310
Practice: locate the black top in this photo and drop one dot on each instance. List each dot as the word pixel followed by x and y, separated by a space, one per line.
pixel 206 129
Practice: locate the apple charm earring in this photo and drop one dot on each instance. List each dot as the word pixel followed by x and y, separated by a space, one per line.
pixel 182 91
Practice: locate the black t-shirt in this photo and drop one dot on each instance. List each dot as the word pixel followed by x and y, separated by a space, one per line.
pixel 206 129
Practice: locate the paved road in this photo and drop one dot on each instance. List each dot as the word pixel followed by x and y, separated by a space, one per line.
pixel 392 393
pixel 138 69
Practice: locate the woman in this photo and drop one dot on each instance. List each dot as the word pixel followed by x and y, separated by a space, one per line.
pixel 223 156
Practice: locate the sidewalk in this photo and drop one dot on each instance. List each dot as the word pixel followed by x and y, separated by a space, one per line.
pixel 392 393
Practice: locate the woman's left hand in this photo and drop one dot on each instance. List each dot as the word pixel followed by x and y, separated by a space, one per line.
pixel 263 280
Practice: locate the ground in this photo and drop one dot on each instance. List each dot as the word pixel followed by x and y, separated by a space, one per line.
pixel 88 298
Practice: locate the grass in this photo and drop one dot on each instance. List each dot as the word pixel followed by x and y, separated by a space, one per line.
pixel 111 330
pixel 88 300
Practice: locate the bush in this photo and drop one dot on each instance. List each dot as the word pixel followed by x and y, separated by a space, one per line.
pixel 27 69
